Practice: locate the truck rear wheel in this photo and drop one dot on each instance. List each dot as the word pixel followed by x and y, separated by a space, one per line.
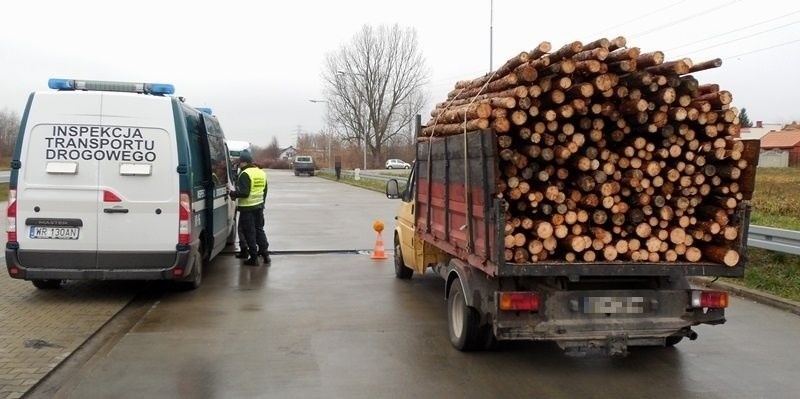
pixel 400 269
pixel 462 320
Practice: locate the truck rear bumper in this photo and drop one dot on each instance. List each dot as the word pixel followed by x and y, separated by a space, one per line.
pixel 566 318
pixel 645 330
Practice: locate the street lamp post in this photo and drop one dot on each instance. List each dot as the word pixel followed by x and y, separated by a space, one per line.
pixel 327 136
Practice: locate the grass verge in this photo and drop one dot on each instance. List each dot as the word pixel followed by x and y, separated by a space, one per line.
pixel 3 191
pixel 773 272
pixel 365 182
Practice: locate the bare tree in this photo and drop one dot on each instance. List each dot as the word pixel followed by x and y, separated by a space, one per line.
pixel 273 149
pixel 374 86
pixel 9 128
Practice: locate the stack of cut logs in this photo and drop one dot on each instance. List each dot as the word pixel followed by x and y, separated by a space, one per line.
pixel 608 153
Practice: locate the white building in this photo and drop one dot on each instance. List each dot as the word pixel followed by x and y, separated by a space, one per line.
pixel 759 130
pixel 287 153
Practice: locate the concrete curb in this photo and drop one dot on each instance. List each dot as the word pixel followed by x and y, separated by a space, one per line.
pixel 758 296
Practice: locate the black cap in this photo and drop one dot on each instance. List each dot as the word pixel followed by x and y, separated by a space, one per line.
pixel 245 156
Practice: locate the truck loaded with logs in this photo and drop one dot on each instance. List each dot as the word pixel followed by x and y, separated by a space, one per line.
pixel 568 195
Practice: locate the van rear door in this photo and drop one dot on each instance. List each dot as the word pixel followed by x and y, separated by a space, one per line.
pixel 138 181
pixel 57 187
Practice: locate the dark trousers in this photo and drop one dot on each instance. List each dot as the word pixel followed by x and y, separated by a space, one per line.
pixel 240 232
pixel 252 224
pixel 338 172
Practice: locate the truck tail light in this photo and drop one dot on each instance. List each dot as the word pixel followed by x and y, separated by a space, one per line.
pixel 709 299
pixel 528 301
pixel 184 216
pixel 11 214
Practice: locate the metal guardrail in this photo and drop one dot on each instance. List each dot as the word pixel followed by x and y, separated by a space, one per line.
pixel 370 175
pixel 787 241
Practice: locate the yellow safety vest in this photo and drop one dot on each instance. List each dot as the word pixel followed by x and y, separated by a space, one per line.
pixel 258 183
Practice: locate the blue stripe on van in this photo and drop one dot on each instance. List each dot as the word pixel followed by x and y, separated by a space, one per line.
pixel 15 163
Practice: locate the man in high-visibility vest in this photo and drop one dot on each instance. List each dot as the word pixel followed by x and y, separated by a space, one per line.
pixel 251 193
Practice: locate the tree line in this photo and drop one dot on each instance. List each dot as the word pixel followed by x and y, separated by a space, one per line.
pixel 9 128
pixel 327 146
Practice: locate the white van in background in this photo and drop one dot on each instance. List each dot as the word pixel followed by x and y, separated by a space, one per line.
pixel 114 180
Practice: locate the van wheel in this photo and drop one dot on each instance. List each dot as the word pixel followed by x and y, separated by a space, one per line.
pixel 194 281
pixel 400 270
pixel 46 284
pixel 462 320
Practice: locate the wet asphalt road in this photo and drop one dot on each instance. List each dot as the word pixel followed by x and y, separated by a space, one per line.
pixel 341 326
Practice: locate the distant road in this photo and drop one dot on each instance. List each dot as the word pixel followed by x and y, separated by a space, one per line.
pixel 5 176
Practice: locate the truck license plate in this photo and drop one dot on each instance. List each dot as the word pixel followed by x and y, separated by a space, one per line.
pixel 58 233
pixel 606 304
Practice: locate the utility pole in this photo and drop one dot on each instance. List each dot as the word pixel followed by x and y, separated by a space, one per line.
pixel 491 39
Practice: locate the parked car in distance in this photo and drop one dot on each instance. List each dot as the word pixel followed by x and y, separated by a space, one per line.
pixel 397 164
pixel 303 164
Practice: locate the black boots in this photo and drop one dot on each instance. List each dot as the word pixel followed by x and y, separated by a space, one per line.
pixel 253 261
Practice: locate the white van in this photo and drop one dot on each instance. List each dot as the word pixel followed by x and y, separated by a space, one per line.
pixel 114 180
pixel 235 147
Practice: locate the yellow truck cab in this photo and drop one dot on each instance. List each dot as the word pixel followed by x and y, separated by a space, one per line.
pixel 412 253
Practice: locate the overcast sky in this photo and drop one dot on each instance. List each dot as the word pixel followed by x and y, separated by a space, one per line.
pixel 257 64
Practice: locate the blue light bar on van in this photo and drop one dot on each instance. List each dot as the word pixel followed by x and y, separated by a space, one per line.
pixel 100 85
pixel 59 84
pixel 161 88
pixel 205 110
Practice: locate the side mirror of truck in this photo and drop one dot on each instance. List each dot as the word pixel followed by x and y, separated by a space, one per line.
pixel 392 189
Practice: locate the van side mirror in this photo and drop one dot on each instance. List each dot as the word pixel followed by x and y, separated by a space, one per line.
pixel 392 189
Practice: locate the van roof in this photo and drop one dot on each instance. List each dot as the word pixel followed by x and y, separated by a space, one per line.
pixel 104 85
pixel 238 145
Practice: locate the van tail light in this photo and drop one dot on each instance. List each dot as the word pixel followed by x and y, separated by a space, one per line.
pixel 109 196
pixel 528 301
pixel 184 216
pixel 11 213
pixel 709 299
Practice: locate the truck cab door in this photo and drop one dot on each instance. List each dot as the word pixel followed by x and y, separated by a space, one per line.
pixel 417 254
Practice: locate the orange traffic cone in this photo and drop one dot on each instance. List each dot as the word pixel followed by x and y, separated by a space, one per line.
pixel 379 252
